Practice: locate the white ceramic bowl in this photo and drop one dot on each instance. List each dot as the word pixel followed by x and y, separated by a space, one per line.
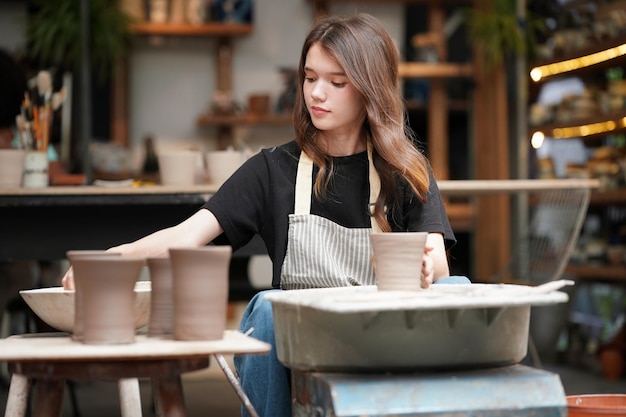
pixel 55 305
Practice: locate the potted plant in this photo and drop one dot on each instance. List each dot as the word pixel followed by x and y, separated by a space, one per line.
pixel 497 30
pixel 53 33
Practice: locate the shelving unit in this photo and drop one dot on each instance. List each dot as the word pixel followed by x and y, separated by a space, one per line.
pixel 223 34
pixel 592 130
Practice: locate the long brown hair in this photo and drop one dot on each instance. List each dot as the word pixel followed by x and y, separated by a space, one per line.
pixel 364 49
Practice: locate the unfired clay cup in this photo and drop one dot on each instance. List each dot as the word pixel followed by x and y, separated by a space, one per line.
pixel 200 291
pixel 108 295
pixel 161 298
pixel 72 255
pixel 397 260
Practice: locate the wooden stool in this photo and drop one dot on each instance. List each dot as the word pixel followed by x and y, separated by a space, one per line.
pixel 50 378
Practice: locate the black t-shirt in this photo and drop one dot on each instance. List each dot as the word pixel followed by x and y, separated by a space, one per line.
pixel 259 196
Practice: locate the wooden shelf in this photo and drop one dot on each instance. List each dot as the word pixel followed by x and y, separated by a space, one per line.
pixel 598 272
pixel 615 196
pixel 244 119
pixel 576 128
pixel 185 29
pixel 435 70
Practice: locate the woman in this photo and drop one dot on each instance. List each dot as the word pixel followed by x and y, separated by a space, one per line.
pixel 352 167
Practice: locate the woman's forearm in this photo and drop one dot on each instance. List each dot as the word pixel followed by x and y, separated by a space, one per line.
pixel 198 230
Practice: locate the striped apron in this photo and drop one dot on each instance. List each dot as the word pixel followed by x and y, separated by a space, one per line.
pixel 321 253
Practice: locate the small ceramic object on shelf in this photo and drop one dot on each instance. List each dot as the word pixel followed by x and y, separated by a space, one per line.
pixel 397 260
pixel 35 169
pixel 200 290
pixel 107 286
pixel 11 167
pixel 161 301
pixel 178 167
pixel 73 255
pixel 222 164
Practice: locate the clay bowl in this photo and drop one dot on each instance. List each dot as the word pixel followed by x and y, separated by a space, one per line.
pixel 55 305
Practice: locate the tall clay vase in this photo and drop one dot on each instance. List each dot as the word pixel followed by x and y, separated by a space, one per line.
pixel 72 255
pixel 200 291
pixel 161 298
pixel 108 297
pixel 397 260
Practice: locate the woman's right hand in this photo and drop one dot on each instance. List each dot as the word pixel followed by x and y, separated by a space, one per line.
pixel 68 280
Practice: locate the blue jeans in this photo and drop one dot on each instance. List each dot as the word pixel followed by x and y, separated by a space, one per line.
pixel 263 378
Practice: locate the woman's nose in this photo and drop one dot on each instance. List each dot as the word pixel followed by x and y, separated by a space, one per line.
pixel 318 92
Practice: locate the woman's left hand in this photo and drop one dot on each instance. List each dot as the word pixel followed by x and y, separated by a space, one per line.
pixel 428 270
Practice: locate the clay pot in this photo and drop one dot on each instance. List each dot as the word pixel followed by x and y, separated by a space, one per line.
pixel 107 287
pixel 612 362
pixel 397 259
pixel 200 291
pixel 596 405
pixel 161 301
pixel 72 255
pixel 611 356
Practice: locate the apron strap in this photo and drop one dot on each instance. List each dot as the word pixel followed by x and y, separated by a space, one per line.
pixel 304 185
pixel 374 188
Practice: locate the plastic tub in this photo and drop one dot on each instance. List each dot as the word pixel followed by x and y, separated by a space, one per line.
pixel 361 329
pixel 601 405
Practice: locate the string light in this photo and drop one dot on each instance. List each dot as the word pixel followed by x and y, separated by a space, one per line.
pixel 579 131
pixel 544 71
pixel 537 140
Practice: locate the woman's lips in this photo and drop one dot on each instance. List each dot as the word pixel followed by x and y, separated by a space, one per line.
pixel 318 111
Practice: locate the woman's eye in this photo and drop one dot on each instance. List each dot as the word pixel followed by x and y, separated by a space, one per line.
pixel 339 85
pixel 309 79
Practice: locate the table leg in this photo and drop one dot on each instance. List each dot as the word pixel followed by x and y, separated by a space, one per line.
pixel 48 397
pixel 17 400
pixel 168 397
pixel 234 382
pixel 130 397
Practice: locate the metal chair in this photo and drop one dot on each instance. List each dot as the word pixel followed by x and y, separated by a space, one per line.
pixel 546 239
pixel 550 223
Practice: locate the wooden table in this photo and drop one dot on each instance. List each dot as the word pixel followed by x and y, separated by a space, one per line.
pixel 51 359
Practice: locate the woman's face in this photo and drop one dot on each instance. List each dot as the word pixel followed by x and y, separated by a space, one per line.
pixel 333 103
